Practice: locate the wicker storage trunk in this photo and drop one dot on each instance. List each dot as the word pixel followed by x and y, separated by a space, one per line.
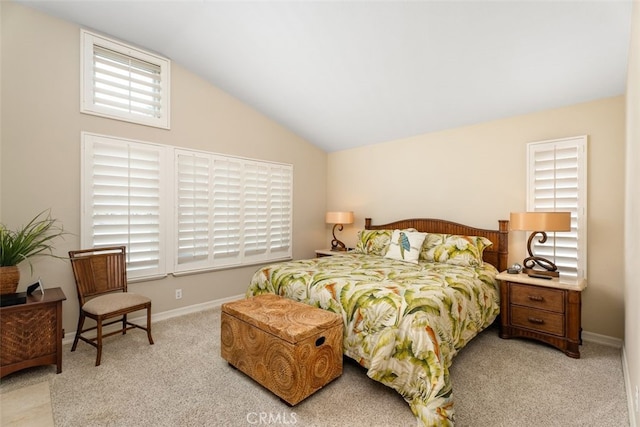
pixel 289 347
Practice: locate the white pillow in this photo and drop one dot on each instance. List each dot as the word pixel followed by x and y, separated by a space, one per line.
pixel 405 245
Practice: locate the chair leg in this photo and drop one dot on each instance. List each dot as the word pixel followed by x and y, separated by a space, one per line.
pixel 149 324
pixel 78 331
pixel 99 340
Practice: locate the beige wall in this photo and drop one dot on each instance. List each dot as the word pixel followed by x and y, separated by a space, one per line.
pixel 632 220
pixel 476 175
pixel 41 152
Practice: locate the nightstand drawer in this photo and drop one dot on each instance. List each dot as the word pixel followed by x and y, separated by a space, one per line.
pixel 538 320
pixel 537 297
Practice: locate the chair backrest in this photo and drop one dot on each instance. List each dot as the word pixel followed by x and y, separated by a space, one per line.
pixel 98 271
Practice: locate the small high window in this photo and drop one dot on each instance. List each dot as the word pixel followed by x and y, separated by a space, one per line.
pixel 123 82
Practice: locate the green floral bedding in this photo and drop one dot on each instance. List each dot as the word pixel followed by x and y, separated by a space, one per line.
pixel 404 322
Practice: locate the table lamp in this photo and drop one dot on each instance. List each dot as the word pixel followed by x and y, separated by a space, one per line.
pixel 540 223
pixel 338 219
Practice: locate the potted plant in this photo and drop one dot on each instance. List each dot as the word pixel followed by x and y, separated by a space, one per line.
pixel 19 245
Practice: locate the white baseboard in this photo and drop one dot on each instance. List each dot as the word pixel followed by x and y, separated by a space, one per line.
pixel 602 339
pixel 633 422
pixel 142 320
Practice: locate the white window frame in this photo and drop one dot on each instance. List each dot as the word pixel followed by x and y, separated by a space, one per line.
pixel 191 205
pixel 561 187
pixel 103 208
pixel 161 118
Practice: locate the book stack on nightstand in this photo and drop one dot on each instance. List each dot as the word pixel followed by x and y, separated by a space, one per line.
pixel 328 252
pixel 548 310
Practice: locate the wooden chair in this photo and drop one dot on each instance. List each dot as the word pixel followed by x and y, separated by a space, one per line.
pixel 101 281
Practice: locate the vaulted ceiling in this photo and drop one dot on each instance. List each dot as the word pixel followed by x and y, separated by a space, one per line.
pixel 344 74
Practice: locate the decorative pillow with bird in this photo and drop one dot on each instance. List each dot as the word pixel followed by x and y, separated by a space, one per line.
pixel 405 245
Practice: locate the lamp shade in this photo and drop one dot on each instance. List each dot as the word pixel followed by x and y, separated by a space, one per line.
pixel 541 221
pixel 339 218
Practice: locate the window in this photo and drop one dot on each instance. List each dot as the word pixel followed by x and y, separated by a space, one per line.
pixel 557 181
pixel 231 211
pixel 123 82
pixel 226 211
pixel 123 201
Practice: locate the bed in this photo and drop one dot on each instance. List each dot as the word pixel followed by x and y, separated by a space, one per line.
pixel 409 303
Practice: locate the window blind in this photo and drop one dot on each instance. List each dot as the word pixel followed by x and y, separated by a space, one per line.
pixel 281 208
pixel 256 209
pixel 227 201
pixel 557 182
pixel 192 208
pixel 249 212
pixel 123 82
pixel 226 211
pixel 123 201
pixel 126 84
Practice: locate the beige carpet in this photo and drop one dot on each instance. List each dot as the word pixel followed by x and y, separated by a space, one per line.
pixel 183 381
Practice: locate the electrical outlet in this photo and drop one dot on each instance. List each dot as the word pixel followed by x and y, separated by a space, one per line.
pixel 178 293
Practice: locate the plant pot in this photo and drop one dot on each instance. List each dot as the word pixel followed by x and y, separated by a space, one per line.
pixel 9 279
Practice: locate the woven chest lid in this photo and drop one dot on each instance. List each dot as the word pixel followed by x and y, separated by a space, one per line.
pixel 289 320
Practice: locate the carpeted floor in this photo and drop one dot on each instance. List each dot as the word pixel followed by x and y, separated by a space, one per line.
pixel 183 381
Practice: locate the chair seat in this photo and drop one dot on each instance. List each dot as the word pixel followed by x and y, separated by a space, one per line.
pixel 109 303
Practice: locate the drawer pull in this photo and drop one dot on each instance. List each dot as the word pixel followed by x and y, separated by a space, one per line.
pixel 535 320
pixel 536 298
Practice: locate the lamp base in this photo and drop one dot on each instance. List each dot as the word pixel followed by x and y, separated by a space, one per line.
pixel 540 274
pixel 337 246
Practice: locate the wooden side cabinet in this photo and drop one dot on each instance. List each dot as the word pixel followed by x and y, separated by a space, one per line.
pixel 542 309
pixel 31 333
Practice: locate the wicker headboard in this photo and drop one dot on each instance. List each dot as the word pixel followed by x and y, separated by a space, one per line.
pixel 495 255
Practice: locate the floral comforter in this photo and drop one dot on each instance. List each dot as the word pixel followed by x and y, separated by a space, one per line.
pixel 404 322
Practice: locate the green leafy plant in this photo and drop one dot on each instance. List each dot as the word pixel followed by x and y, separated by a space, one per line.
pixel 35 238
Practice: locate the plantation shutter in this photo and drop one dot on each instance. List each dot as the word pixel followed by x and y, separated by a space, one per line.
pixel 123 201
pixel 226 211
pixel 124 82
pixel 193 172
pixel 256 209
pixel 557 182
pixel 281 207
pixel 227 205
pixel 231 211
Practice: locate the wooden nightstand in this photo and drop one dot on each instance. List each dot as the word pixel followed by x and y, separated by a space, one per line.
pixel 545 310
